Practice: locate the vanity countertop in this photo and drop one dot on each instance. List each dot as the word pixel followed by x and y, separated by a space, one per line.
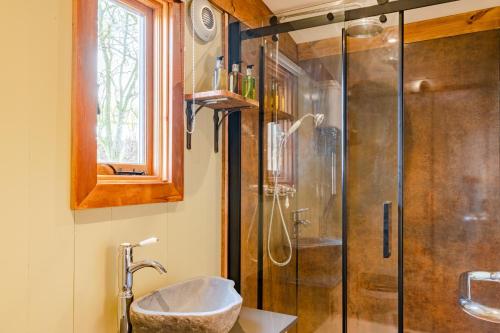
pixel 258 321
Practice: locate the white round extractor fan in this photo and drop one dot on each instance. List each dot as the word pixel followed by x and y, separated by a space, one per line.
pixel 203 19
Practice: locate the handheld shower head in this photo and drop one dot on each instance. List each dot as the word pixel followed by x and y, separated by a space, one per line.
pixel 318 119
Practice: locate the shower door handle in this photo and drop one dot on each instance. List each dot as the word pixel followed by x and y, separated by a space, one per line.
pixel 471 307
pixel 387 230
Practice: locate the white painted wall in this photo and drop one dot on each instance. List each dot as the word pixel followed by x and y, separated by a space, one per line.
pixel 58 267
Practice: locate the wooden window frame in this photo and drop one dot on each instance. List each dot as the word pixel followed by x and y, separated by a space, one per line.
pixel 90 190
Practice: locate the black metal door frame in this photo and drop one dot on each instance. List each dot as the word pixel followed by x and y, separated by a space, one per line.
pixel 234 171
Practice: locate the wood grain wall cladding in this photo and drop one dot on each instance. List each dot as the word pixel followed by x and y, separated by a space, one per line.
pixel 254 14
pixel 90 190
pixel 475 21
pixel 452 179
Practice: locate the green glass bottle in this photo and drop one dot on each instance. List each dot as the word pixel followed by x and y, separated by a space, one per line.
pixel 249 84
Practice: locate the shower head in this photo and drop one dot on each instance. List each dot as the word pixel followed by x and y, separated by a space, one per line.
pixel 318 119
pixel 364 28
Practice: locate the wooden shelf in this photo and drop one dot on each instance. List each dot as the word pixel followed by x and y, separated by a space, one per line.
pixel 223 103
pixel 281 115
pixel 221 100
pixel 271 116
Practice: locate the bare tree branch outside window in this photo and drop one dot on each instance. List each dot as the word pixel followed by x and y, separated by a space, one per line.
pixel 120 125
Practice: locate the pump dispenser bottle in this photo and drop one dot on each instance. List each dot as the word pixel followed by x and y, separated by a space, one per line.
pixel 220 75
pixel 235 79
pixel 249 84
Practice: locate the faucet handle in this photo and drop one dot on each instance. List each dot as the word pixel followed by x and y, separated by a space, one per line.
pixel 303 222
pixel 301 210
pixel 147 241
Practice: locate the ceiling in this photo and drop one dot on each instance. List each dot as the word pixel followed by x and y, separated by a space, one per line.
pixel 307 35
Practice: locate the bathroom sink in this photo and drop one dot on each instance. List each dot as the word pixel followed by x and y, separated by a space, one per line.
pixel 205 304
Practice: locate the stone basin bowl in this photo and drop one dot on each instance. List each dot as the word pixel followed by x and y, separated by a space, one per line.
pixel 205 304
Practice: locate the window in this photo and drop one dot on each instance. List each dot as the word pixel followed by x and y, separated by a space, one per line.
pixel 127 102
pixel 125 89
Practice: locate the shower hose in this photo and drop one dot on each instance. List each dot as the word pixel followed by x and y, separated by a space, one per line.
pixel 318 119
pixel 276 202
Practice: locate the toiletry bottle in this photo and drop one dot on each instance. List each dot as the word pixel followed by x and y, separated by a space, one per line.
pixel 249 84
pixel 274 95
pixel 240 77
pixel 220 75
pixel 234 79
pixel 282 100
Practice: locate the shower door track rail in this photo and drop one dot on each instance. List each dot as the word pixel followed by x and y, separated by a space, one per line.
pixel 337 17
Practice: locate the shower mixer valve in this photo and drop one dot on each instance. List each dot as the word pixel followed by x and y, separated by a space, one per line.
pixel 297 219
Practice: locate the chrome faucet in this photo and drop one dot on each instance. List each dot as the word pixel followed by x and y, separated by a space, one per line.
pixel 127 269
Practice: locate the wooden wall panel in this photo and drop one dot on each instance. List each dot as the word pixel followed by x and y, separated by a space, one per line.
pixel 452 179
pixel 255 13
pixel 476 21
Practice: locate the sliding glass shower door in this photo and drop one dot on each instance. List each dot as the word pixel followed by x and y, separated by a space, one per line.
pixel 302 195
pixel 371 240
pixel 320 209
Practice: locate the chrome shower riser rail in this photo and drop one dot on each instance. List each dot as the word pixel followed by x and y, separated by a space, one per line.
pixel 336 17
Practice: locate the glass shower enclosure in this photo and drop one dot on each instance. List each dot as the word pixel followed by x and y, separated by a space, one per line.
pixel 352 127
